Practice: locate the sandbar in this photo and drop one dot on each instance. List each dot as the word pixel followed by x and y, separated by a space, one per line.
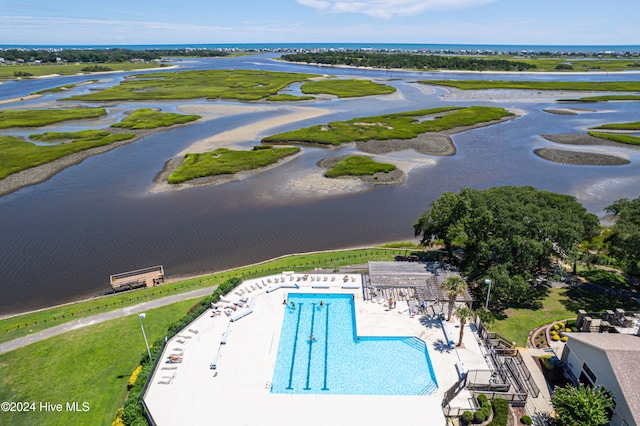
pixel 578 158
pixel 568 111
pixel 231 138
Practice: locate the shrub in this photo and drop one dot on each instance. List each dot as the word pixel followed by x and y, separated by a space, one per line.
pixel 118 420
pixel 561 325
pixel 564 338
pixel 526 420
pixel 567 330
pixel 485 409
pixel 22 74
pixel 479 416
pixel 546 362
pixel 96 68
pixel 556 327
pixel 134 376
pixel 500 412
pixel 467 417
pixel 555 337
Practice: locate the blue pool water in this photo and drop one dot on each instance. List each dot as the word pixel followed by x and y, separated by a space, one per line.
pixel 337 361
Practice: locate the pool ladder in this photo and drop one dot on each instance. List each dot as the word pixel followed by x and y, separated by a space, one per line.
pixel 267 385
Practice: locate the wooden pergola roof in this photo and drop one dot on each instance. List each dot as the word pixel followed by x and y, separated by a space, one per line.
pixel 425 278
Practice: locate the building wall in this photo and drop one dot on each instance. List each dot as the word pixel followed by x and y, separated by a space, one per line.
pixel 596 359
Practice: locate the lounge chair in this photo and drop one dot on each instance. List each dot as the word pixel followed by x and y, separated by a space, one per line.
pixel 194 331
pixel 164 382
pixel 169 367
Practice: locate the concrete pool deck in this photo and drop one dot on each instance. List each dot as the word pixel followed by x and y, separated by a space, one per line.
pixel 237 391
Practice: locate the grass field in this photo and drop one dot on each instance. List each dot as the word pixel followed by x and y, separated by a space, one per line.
pixel 358 165
pixel 44 117
pixel 346 88
pixel 6 71
pixel 224 161
pixel 147 118
pixel 244 85
pixel 559 304
pixel 92 365
pixel 405 125
pixel 17 155
pixel 616 137
pixel 614 86
pixel 635 125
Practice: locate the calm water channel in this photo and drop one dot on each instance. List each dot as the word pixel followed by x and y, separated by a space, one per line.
pixel 60 240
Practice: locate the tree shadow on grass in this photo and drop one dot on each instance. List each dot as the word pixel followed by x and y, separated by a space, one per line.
pixel 592 300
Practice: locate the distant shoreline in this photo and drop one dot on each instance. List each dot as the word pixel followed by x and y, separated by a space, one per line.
pixel 462 71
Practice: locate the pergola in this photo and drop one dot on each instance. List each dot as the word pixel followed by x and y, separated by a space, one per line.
pixel 420 281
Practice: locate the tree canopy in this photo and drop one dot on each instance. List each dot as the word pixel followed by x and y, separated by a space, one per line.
pixel 582 405
pixel 454 286
pixel 625 236
pixel 508 234
pixel 407 60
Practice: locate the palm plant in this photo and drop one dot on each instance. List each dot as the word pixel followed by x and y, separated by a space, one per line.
pixel 454 286
pixel 463 313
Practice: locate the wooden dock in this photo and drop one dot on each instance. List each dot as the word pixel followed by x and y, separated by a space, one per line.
pixel 146 277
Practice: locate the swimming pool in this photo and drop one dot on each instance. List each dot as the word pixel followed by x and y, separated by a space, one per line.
pixel 337 361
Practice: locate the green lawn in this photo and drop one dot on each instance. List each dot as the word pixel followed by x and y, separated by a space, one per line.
pixel 147 118
pixel 346 88
pixel 44 117
pixel 559 304
pixel 210 84
pixel 226 161
pixel 405 125
pixel 358 165
pixel 92 365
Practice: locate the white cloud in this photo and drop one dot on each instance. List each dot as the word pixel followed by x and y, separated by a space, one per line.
pixel 387 8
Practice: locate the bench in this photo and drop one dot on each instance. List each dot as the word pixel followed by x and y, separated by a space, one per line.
pixel 214 363
pixel 460 370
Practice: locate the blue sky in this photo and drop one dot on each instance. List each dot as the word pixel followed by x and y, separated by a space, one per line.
pixel 541 22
